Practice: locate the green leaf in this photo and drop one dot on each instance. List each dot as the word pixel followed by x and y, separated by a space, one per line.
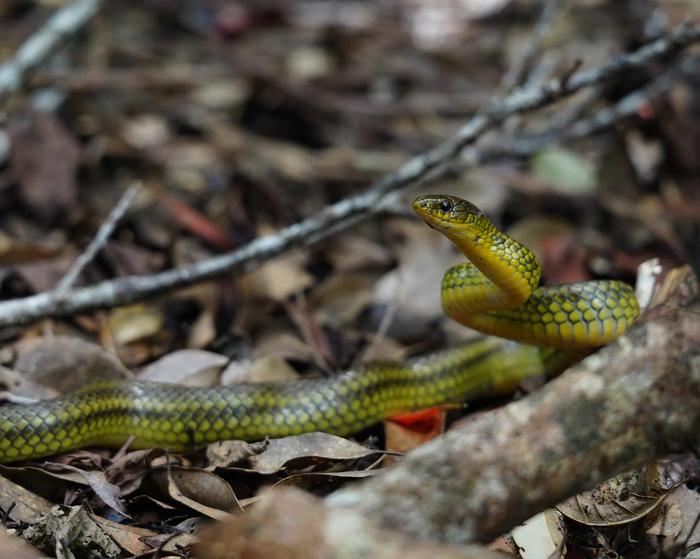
pixel 565 169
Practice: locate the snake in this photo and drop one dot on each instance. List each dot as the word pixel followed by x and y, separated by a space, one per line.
pixel 526 330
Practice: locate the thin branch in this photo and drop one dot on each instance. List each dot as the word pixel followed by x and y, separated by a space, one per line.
pixel 601 120
pixel 100 239
pixel 65 23
pixel 518 71
pixel 344 213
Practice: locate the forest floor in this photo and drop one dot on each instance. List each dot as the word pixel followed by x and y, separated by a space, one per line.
pixel 201 126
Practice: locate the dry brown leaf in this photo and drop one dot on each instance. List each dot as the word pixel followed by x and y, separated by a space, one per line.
pixel 19 504
pixel 184 535
pixel 107 492
pixel 224 454
pixel 340 298
pixel 128 469
pixel 16 387
pixel 413 288
pixel 622 499
pixel 677 523
pixel 669 523
pixel 311 330
pixel 303 450
pixel 351 252
pixel 128 259
pixel 281 343
pixel 16 251
pixel 191 367
pixel 44 160
pixel 43 275
pixel 264 369
pixel 277 279
pixel 200 490
pixel 66 363
pixel 317 483
pixel 51 481
pixel 133 323
pixel 130 538
pixel 322 483
pixel 203 330
pixel 679 283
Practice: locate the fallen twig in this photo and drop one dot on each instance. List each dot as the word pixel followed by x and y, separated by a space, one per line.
pixel 602 119
pixel 44 43
pixel 517 73
pixel 344 213
pixel 100 239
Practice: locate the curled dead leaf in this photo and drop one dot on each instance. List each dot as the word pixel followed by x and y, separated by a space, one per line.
pixel 191 367
pixel 303 450
pixel 322 483
pixel 133 323
pixel 271 368
pixel 199 490
pixel 624 498
pixel 65 363
pixel 107 492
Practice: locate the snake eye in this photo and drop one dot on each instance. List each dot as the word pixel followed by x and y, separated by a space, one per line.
pixel 445 205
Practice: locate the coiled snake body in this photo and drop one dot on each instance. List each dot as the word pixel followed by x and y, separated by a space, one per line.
pixel 547 328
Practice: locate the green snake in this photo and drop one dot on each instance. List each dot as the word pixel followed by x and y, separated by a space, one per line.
pixel 497 293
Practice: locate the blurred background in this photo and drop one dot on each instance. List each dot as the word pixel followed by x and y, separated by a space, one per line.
pixel 240 118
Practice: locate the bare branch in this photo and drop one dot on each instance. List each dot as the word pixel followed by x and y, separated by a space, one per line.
pixel 518 71
pixel 346 212
pixel 566 132
pixel 100 239
pixel 42 44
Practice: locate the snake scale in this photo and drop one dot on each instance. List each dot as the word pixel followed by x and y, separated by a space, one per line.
pixel 496 292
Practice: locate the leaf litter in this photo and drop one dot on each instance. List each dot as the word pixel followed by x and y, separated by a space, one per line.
pixel 230 150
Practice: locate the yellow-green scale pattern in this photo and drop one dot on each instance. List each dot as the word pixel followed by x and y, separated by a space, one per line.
pixel 496 292
pixel 179 418
pixel 574 315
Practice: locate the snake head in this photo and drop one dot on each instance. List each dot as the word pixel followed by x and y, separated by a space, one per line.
pixel 448 214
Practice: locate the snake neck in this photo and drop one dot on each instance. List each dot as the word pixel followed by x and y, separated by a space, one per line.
pixel 511 266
